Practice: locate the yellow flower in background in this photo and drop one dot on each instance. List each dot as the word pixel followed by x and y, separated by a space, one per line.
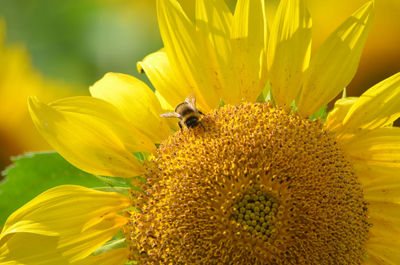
pixel 256 183
pixel 381 55
pixel 18 81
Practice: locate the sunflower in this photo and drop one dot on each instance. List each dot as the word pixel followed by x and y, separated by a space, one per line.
pixel 266 179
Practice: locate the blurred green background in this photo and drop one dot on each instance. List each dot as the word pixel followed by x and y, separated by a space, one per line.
pixel 78 41
pixel 53 49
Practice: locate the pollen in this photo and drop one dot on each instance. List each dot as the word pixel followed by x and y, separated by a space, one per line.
pixel 254 185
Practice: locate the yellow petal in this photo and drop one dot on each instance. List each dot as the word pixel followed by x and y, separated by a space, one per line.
pixel 383 245
pixel 336 62
pixel 112 257
pixel 163 102
pixel 377 107
pixel 383 254
pixel 109 115
pixel 373 258
pixel 169 84
pixel 53 227
pixel 289 50
pixel 334 120
pixel 381 185
pixel 214 20
pixel 385 211
pixel 374 176
pixel 368 260
pixel 136 101
pixel 380 146
pixel 91 134
pixel 388 193
pixel 249 43
pixel 186 51
pixel 189 6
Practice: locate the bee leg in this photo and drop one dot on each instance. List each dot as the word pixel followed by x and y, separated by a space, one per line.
pixel 204 128
pixel 200 112
pixel 180 125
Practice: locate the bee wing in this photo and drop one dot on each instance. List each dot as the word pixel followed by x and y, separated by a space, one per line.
pixel 171 115
pixel 191 100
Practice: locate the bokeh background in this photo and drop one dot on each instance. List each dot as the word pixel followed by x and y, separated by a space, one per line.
pixel 53 49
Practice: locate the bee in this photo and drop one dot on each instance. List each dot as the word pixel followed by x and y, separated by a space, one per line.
pixel 187 113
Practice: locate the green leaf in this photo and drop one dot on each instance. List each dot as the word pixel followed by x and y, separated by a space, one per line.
pixel 32 174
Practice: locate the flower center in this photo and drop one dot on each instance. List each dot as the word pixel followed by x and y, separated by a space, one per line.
pixel 256 212
pixel 254 185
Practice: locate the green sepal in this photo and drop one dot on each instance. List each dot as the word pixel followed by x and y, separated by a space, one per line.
pixel 121 190
pixel 344 93
pixel 114 181
pixel 142 156
pixel 110 245
pixel 266 94
pixel 221 103
pixel 320 114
